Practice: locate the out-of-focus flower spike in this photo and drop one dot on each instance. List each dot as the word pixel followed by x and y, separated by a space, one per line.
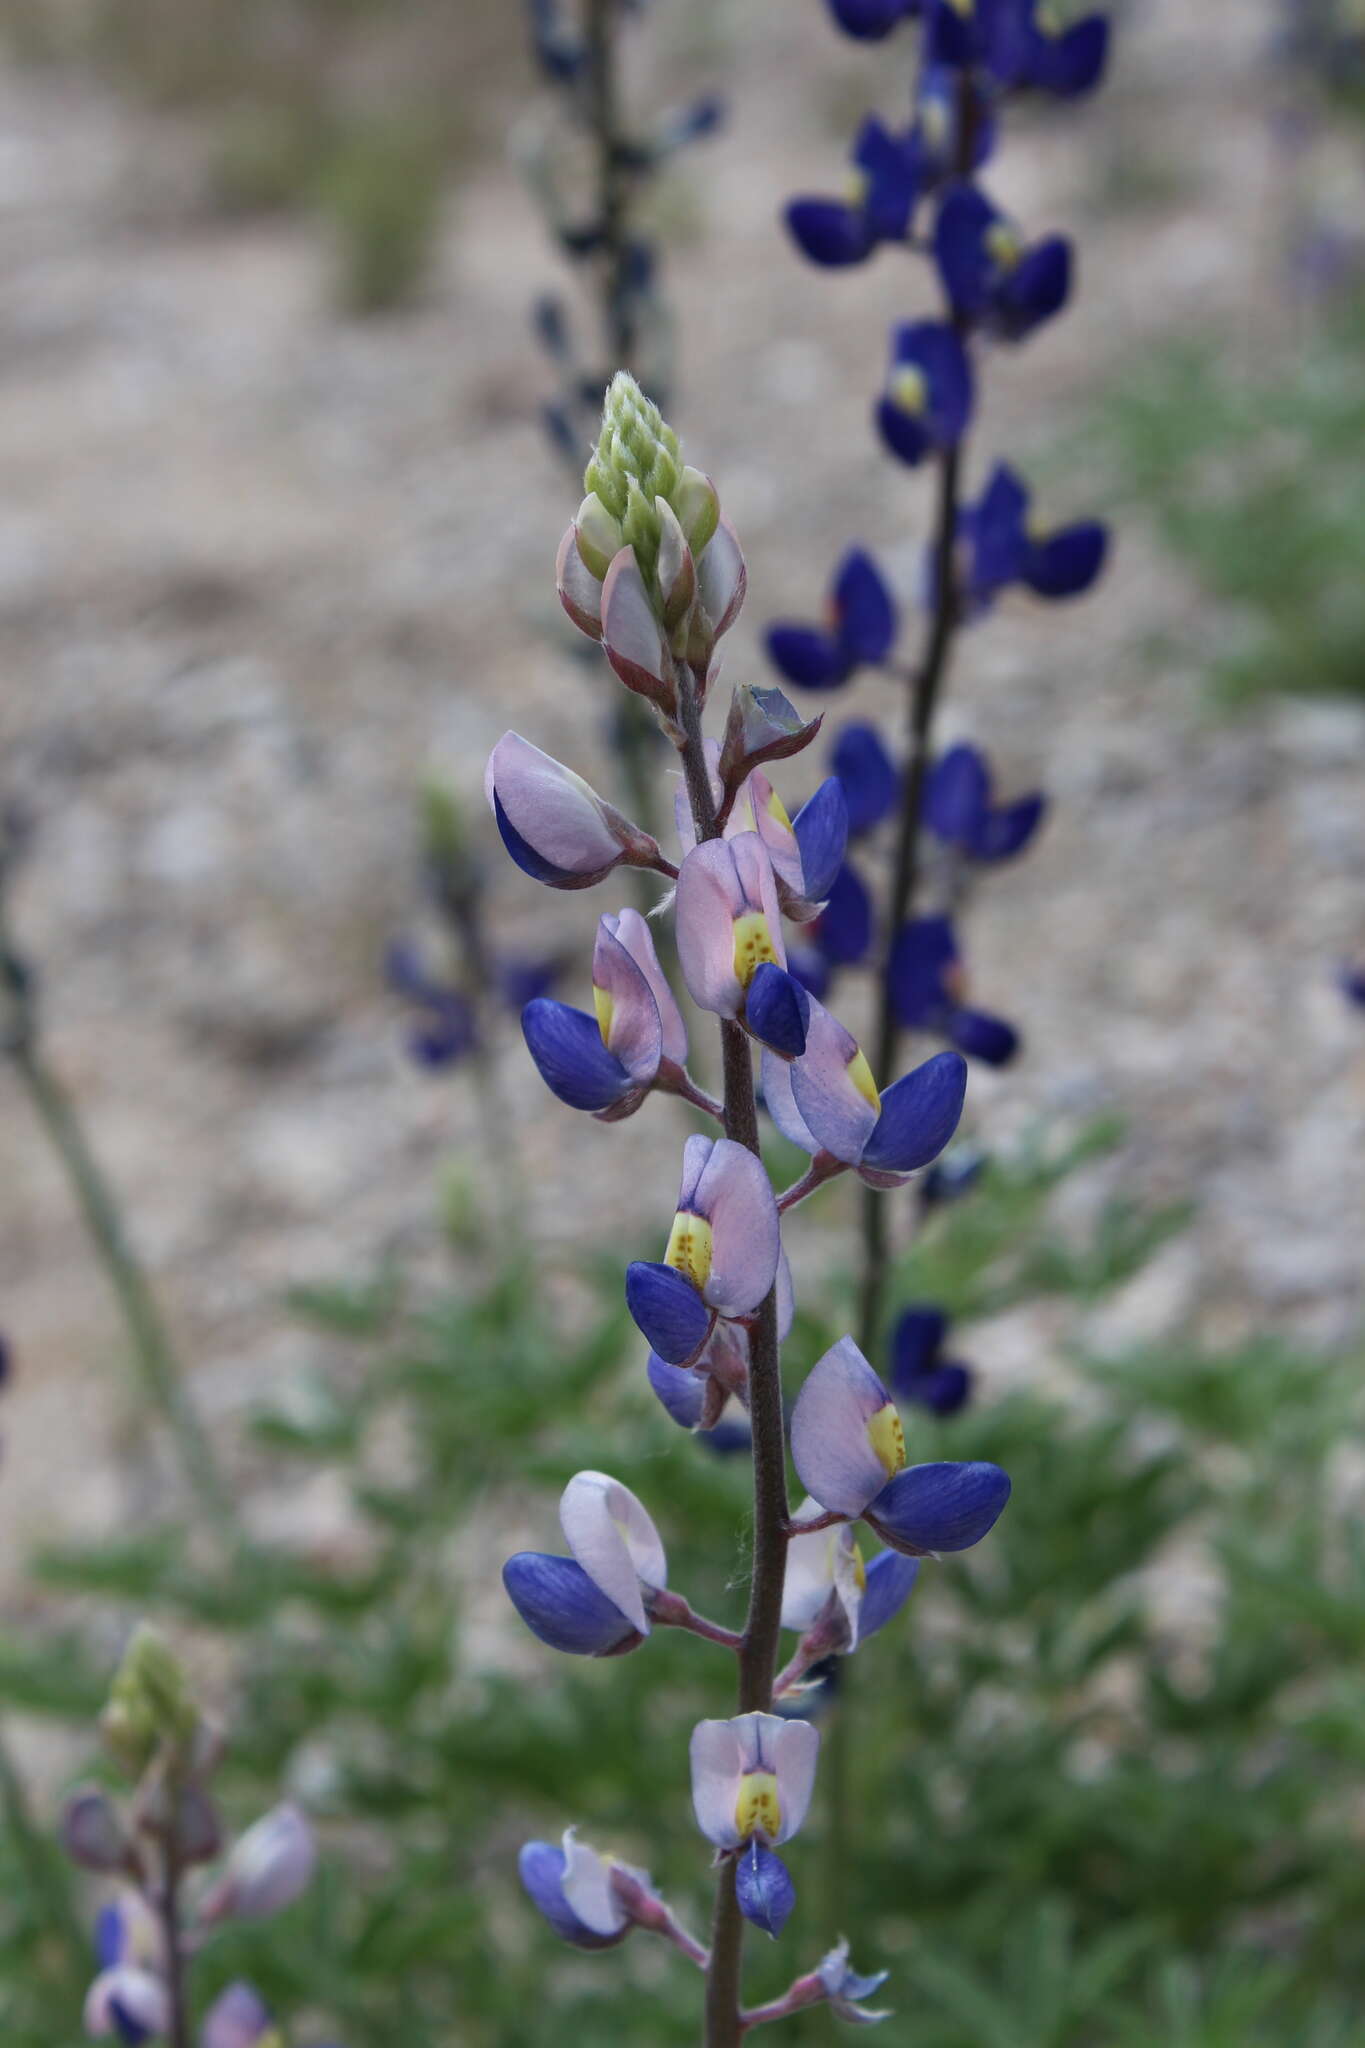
pixel 1066 562
pixel 92 1833
pixel 869 20
pixel 928 398
pixel 990 275
pixel 843 930
pixel 268 1868
pixel 561 1605
pixel 870 778
pixel 613 1538
pixel 555 826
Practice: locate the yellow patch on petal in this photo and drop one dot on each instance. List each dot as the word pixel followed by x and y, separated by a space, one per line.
pixel 603 1003
pixel 855 188
pixel 758 1810
pixel 1004 245
pixel 778 810
pixel 887 1439
pixel 753 946
pixel 859 1569
pixel 909 390
pixel 689 1247
pixel 860 1074
pixel 965 8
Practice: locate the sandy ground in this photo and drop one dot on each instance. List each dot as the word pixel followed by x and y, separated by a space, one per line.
pixel 260 568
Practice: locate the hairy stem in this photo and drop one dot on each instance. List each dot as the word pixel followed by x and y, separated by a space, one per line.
pixel 758 1650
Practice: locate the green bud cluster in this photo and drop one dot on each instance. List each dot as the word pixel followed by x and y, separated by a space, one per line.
pixel 150 1707
pixel 636 467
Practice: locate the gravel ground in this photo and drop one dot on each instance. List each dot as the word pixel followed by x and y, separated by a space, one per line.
pixel 260 568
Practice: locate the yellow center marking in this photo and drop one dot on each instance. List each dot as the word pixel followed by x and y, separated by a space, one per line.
pixel 963 7
pixel 758 1810
pixel 778 810
pixel 1004 245
pixel 860 1074
pixel 855 188
pixel 909 392
pixel 753 946
pixel 689 1247
pixel 859 1569
pixel 887 1439
pixel 604 1005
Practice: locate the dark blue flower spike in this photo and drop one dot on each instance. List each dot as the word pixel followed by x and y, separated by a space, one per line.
pixel 927 988
pixel 928 397
pixel 919 1371
pixel 889 177
pixel 992 277
pixel 860 633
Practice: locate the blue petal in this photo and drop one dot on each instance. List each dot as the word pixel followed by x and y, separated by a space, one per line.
pixel 541 1868
pixel 1008 829
pixel 559 1603
pixel 1073 63
pixel 915 1343
pixel 870 20
pixel 983 1037
pixel 949 1179
pixel 944 1390
pixel 829 232
pixel 521 980
pixel 763 1887
pixel 924 952
pixel 872 784
pixel 949 37
pixel 905 434
pixel 681 1393
pixel 574 1064
pixel 997 528
pixel 939 1507
pixel 920 1112
pixel 864 608
pixel 1035 291
pixel 821 828
pixel 131 2031
pixel 960 249
pixel 893 171
pixel 938 351
pixel 667 1309
pixel 806 656
pixel 446 1038
pixel 957 797
pixel 109 1936
pixel 843 930
pixel 406 973
pixel 890 1582
pixel 777 1010
pixel 1067 562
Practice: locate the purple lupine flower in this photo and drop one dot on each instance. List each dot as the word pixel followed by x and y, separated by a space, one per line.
pixel 730 944
pixel 919 1371
pixel 845 1989
pixel 889 177
pixel 828 1102
pixel 448 1028
pixel 927 984
pixel 859 632
pixel 848 1446
pixel 572 1887
pixel 870 778
pixel 999 546
pixel 805 851
pixel 928 397
pixel 830 1594
pixel 723 1250
pixel 696 1395
pixel 870 20
pixel 607 1063
pixel 615 1542
pixel 556 827
pixel 267 1869
pixel 1352 982
pixel 992 277
pixel 1029 50
pixel 959 811
pixel 238 2018
pixel 752 1780
pixel 560 1604
pixel 128 1998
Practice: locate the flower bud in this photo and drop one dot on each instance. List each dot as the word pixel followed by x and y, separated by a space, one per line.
pixel 91 1831
pixel 597 536
pixel 149 1703
pixel 762 726
pixel 269 1867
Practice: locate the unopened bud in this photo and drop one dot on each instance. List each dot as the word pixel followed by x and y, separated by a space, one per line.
pixel 762 726
pixel 268 1868
pixel 149 1703
pixel 91 1831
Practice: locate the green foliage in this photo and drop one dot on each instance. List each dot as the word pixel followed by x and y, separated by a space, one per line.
pixel 1256 484
pixel 381 189
pixel 1090 1781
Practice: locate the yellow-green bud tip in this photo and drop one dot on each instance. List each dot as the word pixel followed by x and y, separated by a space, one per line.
pixel 149 1702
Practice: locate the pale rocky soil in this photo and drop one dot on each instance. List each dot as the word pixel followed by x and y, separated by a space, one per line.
pixel 260 568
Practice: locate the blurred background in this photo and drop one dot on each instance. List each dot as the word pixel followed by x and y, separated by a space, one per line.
pixel 276 545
